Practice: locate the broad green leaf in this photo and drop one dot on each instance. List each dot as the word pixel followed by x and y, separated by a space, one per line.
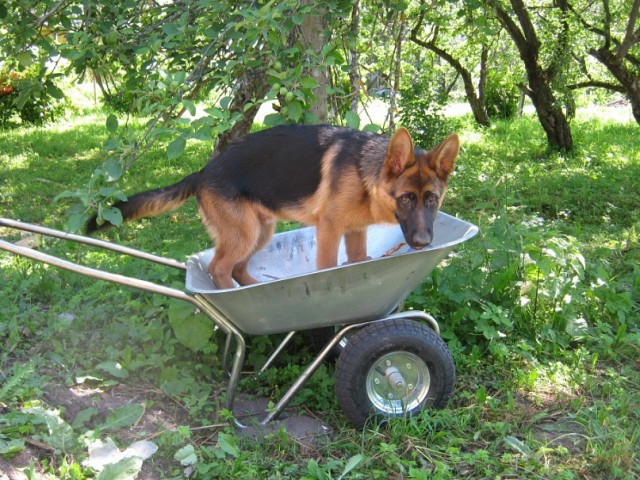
pixel 295 110
pixel 60 435
pixel 225 102
pixel 186 456
pixel 84 416
pixel 308 82
pixel 125 469
pixel 517 445
pixel 112 170
pixel 76 222
pixel 175 148
pixel 113 368
pixel 112 123
pixel 10 447
pixel 191 329
pixel 274 119
pixel 25 59
pixel 114 216
pixel 353 120
pixel 123 417
pixel 189 105
pixel 228 444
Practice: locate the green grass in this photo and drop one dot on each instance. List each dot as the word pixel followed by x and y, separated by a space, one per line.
pixel 540 312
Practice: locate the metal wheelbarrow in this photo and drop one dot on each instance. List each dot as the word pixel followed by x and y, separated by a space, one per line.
pixel 390 364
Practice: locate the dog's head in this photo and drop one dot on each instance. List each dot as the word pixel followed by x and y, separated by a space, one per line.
pixel 418 180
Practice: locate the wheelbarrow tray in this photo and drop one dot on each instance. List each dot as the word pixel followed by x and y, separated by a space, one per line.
pixel 293 295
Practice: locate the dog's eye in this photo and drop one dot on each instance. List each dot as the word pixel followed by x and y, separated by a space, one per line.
pixel 406 198
pixel 431 199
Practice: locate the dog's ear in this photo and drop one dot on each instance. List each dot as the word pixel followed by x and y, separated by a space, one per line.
pixel 400 153
pixel 444 156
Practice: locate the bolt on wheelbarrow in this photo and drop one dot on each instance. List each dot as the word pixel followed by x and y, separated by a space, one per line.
pixel 391 363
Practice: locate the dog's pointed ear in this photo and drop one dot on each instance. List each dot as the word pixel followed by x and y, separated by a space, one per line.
pixel 400 153
pixel 443 156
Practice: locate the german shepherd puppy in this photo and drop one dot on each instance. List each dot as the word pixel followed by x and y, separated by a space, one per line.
pixel 335 178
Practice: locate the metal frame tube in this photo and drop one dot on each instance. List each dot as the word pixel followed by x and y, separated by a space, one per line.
pixel 50 232
pixel 277 351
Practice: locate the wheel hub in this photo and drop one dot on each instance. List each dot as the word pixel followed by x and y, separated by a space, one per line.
pixel 397 382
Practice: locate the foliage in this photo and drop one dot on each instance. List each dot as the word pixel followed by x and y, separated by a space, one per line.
pixel 502 94
pixel 28 96
pixel 420 110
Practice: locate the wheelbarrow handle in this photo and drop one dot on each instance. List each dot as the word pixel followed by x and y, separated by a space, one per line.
pixel 50 232
pixel 92 272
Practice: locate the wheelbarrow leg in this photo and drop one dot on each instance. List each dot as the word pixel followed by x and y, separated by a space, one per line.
pixel 238 358
pixel 302 379
pixel 277 351
pixel 225 355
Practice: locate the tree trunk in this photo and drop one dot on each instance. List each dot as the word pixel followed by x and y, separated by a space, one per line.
pixel 629 81
pixel 354 75
pixel 551 116
pixel 312 30
pixel 253 85
pixel 476 101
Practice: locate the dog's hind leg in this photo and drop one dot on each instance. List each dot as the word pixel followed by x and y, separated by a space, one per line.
pixel 236 229
pixel 240 272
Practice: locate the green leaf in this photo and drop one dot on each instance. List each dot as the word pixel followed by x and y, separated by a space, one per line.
pixel 60 435
pixel 186 456
pixel 125 469
pixel 175 148
pixel 517 445
pixel 372 127
pixel 274 119
pixel 189 105
pixel 295 110
pixel 112 170
pixel 192 329
pixel 76 222
pixel 308 82
pixel 8 448
pixel 228 444
pixel 123 417
pixel 225 102
pixel 25 59
pixel 84 416
pixel 353 120
pixel 113 368
pixel 112 123
pixel 113 215
pixel 351 464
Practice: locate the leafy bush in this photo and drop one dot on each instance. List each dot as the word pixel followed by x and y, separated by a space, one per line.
pixel 501 95
pixel 26 96
pixel 420 111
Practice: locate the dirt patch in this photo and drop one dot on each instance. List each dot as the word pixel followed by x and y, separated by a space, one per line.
pixel 161 414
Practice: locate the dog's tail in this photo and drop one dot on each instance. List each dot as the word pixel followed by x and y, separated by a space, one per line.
pixel 152 202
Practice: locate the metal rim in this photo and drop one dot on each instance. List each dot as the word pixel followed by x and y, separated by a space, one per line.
pixel 398 382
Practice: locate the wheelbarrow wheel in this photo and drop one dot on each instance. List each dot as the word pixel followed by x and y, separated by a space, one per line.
pixel 393 369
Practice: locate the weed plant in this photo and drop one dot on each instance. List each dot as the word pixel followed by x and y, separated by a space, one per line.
pixel 540 311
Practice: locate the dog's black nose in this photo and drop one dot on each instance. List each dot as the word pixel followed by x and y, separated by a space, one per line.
pixel 420 240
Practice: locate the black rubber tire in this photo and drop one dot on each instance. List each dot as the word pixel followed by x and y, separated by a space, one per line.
pixel 393 339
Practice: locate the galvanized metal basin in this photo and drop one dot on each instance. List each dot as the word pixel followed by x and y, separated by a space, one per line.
pixel 293 295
